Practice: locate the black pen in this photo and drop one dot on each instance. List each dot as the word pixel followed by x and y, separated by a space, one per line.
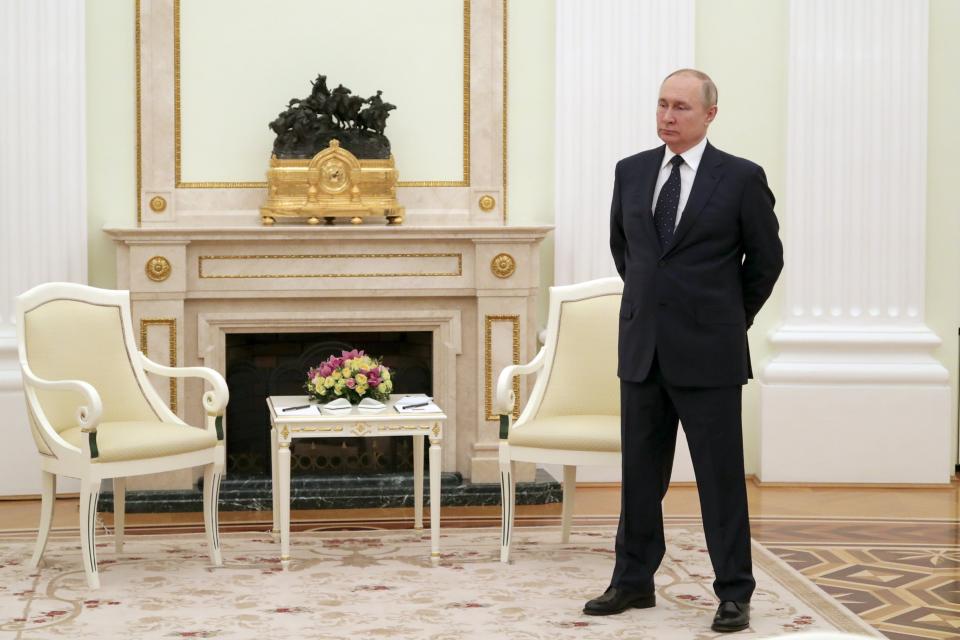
pixel 302 406
pixel 410 406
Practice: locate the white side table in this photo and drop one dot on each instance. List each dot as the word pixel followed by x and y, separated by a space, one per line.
pixel 389 422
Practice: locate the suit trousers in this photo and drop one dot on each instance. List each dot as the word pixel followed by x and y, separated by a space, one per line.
pixel 711 419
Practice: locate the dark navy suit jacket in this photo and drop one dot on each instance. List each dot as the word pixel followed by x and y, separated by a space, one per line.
pixel 693 303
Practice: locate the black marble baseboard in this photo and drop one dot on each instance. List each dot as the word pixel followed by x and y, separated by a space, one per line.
pixel 254 493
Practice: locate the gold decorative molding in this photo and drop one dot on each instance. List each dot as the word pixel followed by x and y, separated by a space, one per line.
pixel 158 204
pixel 436 430
pixel 362 429
pixel 488 390
pixel 505 91
pixel 171 324
pixel 180 184
pixel 158 268
pixel 503 265
pixel 456 273
pixel 324 429
pixel 285 433
pixel 138 143
pixel 487 203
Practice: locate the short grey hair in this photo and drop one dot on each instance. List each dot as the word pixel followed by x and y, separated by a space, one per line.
pixel 707 87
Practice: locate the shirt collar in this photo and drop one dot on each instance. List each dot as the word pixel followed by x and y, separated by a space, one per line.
pixel 691 157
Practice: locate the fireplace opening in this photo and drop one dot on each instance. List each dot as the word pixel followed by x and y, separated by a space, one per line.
pixel 270 364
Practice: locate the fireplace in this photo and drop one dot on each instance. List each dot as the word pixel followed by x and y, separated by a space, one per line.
pixel 264 364
pixel 462 298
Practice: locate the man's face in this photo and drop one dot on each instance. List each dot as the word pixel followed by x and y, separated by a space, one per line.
pixel 682 117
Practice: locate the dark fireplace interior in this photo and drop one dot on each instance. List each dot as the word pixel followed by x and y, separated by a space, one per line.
pixel 265 364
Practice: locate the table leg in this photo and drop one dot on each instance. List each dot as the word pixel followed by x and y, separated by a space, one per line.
pixel 283 458
pixel 275 487
pixel 435 499
pixel 418 482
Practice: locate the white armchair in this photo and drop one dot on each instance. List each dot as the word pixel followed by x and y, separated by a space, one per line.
pixel 573 414
pixel 94 415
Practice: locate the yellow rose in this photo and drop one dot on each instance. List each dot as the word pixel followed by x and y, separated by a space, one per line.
pixel 329 382
pixel 336 375
pixel 361 379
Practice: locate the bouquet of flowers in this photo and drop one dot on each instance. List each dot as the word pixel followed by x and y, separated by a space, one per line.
pixel 352 375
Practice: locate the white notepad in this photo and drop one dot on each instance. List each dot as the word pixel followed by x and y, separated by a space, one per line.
pixel 416 404
pixel 311 410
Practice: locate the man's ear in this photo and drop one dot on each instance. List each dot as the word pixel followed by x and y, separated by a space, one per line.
pixel 711 114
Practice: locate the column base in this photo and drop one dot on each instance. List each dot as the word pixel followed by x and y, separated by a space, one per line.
pixel 855 407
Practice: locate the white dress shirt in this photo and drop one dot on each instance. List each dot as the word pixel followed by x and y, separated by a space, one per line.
pixel 688 171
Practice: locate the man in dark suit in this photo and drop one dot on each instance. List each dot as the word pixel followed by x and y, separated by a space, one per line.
pixel 695 239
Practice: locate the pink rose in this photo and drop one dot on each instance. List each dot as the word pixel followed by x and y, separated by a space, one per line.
pixel 351 383
pixel 325 370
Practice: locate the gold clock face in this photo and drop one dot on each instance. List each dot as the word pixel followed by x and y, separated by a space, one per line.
pixel 334 176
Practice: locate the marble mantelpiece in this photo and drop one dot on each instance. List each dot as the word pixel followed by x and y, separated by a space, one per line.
pixel 473 287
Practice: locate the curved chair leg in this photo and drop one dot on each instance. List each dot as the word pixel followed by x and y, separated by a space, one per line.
pixel 569 493
pixel 48 497
pixel 119 512
pixel 508 498
pixel 211 512
pixel 89 492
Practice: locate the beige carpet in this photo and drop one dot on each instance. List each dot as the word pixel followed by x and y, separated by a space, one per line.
pixel 380 584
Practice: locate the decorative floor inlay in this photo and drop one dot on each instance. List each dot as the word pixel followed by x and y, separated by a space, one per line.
pixel 901 576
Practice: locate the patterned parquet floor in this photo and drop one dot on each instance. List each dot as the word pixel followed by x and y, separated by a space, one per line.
pixel 901 576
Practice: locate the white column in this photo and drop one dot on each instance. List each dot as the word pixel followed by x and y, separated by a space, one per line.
pixel 854 393
pixel 42 187
pixel 611 57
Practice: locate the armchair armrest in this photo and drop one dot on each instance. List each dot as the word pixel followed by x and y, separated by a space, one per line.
pixel 214 401
pixel 505 398
pixel 88 415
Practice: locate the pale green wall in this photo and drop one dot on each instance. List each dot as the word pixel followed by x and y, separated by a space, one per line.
pixel 530 118
pixel 741 43
pixel 943 205
pixel 111 131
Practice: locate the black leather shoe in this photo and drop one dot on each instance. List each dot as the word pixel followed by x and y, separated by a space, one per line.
pixel 731 616
pixel 616 600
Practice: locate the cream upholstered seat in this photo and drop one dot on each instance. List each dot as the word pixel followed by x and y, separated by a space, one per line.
pixel 573 414
pixel 138 440
pixel 568 433
pixel 94 415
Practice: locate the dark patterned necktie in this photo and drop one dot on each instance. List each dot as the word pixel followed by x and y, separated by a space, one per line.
pixel 665 213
